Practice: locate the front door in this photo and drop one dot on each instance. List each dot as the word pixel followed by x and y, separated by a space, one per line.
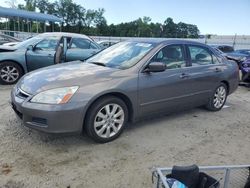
pixel 42 54
pixel 161 91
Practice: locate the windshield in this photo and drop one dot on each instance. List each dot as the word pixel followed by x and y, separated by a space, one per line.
pixel 122 55
pixel 28 42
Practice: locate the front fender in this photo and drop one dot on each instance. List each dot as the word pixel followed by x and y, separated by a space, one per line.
pixel 16 56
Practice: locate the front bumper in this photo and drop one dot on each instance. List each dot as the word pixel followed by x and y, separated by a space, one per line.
pixel 63 118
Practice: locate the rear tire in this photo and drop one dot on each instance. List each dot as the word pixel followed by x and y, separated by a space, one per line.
pixel 245 77
pixel 106 119
pixel 218 98
pixel 10 72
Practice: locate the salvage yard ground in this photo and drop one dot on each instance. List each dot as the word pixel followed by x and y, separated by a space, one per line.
pixel 32 159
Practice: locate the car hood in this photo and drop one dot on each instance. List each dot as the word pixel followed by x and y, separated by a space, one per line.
pixel 63 75
pixel 7 48
pixel 235 55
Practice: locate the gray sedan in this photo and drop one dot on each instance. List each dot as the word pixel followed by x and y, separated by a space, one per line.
pixel 125 82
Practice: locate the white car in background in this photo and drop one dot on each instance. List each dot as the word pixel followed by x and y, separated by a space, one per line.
pixel 9 40
pixel 11 43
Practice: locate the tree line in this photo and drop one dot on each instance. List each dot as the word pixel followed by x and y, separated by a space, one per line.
pixel 78 19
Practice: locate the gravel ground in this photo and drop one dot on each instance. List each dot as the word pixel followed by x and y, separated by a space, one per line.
pixel 32 159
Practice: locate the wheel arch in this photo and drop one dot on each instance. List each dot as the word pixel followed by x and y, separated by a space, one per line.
pixel 13 61
pixel 119 95
pixel 227 84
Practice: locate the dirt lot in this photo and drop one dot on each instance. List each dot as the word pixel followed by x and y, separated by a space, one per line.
pixel 32 159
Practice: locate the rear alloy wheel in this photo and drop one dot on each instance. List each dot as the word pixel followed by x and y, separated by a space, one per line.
pixel 106 119
pixel 10 73
pixel 218 99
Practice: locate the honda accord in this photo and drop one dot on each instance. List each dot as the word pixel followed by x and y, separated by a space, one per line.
pixel 125 82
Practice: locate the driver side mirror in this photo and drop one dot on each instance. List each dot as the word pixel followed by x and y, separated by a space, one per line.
pixel 30 48
pixel 156 67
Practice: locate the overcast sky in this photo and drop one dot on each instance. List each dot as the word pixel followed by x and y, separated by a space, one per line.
pixel 224 17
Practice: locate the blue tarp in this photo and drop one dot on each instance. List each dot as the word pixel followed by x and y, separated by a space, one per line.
pixel 10 13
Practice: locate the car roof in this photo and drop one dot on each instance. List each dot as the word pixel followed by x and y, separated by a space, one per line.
pixel 167 41
pixel 222 45
pixel 60 34
pixel 101 41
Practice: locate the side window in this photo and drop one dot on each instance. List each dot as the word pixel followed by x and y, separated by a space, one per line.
pixel 79 43
pixel 200 56
pixel 172 55
pixel 47 44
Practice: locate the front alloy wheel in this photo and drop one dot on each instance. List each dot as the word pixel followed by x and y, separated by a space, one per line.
pixel 106 119
pixel 109 120
pixel 10 72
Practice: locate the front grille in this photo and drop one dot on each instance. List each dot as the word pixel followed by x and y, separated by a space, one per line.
pixel 39 120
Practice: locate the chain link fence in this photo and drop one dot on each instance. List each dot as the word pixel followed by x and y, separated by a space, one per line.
pixel 237 41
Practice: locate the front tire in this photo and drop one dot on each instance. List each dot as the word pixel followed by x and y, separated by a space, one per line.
pixel 10 72
pixel 218 99
pixel 106 119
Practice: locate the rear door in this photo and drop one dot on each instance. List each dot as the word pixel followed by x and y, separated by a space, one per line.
pixel 42 54
pixel 81 49
pixel 205 71
pixel 168 90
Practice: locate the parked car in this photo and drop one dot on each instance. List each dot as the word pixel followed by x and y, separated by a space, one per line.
pixel 41 51
pixel 224 48
pixel 243 51
pixel 237 57
pixel 6 39
pixel 245 69
pixel 122 83
pixel 105 43
pixel 230 53
pixel 11 43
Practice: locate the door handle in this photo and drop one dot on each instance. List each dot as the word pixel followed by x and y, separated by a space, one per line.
pixel 217 69
pixel 184 75
pixel 50 56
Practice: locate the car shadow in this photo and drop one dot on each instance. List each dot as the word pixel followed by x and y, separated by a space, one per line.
pixel 80 140
pixel 160 118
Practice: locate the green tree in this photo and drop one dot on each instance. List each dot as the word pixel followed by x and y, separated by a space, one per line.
pixel 93 22
pixel 169 28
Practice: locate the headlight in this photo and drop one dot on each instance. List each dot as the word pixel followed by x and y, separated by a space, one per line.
pixel 55 96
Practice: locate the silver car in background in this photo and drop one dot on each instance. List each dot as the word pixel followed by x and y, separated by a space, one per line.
pixel 125 82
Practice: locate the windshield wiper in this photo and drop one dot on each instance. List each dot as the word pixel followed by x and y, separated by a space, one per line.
pixel 98 63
